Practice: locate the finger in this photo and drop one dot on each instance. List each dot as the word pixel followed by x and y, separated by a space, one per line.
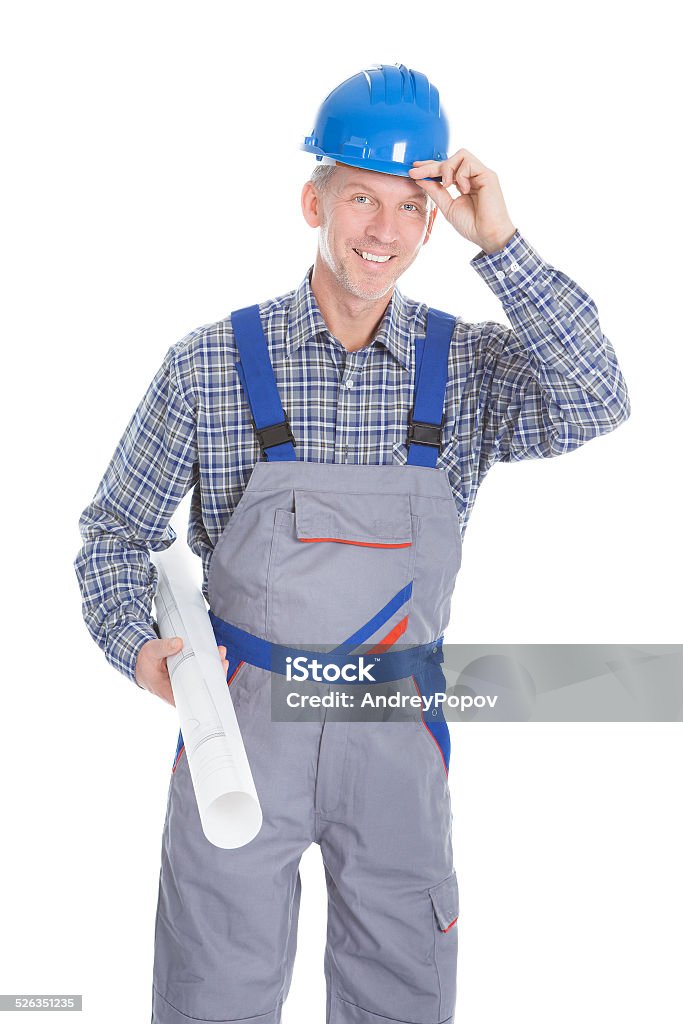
pixel 473 175
pixel 453 161
pixel 447 175
pixel 224 657
pixel 428 169
pixel 170 645
pixel 464 156
pixel 459 174
pixel 464 175
pixel 432 188
pixel 460 170
pixel 438 193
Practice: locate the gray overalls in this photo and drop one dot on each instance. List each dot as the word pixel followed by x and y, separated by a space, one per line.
pixel 329 554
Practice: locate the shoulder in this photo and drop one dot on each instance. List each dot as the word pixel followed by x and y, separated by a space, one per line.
pixel 471 341
pixel 211 347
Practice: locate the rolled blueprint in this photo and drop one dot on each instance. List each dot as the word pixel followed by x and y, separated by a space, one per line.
pixel 227 801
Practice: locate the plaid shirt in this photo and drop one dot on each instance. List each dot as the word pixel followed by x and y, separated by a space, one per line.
pixel 536 389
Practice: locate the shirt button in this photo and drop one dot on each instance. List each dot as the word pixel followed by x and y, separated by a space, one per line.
pixel 348 383
pixel 500 275
pixel 514 266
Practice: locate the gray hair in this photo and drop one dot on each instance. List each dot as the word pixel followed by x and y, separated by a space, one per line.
pixel 322 173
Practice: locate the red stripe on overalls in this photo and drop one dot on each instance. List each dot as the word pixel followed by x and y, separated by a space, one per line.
pixel 391 637
pixel 359 543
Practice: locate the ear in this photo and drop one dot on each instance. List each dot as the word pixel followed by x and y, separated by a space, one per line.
pixel 430 224
pixel 310 205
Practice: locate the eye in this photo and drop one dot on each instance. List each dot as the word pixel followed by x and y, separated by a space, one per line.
pixel 414 205
pixel 362 197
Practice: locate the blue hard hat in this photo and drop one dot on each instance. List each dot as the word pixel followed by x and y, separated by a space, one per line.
pixel 381 119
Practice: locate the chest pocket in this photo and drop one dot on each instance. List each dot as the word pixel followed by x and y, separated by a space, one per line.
pixel 340 563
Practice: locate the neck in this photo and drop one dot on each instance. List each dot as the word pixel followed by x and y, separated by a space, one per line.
pixel 351 319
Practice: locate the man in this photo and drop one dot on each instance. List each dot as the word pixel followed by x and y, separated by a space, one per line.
pixel 396 412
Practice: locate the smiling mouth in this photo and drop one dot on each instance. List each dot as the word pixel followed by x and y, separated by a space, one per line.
pixel 371 257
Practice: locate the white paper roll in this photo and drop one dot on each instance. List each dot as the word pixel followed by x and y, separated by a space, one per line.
pixel 227 801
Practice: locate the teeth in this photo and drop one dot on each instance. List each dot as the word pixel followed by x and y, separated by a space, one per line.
pixel 374 259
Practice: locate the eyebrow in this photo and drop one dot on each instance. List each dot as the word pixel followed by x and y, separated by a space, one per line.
pixel 419 194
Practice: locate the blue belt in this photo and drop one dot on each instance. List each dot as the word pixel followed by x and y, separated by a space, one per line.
pixel 391 665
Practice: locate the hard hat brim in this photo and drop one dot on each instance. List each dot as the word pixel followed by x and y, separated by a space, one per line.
pixel 382 166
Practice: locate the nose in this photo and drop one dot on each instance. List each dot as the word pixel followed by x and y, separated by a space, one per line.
pixel 381 228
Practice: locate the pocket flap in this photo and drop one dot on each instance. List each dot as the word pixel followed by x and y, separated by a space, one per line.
pixel 445 901
pixel 377 520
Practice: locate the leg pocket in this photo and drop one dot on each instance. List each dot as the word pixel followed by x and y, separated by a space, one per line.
pixel 446 907
pixel 446 902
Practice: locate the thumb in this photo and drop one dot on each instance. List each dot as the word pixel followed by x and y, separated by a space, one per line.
pixel 436 191
pixel 171 645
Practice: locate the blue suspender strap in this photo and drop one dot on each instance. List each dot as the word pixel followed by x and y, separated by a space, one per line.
pixel 256 374
pixel 431 375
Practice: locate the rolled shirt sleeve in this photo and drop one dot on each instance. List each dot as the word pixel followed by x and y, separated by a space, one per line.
pixel 552 378
pixel 152 469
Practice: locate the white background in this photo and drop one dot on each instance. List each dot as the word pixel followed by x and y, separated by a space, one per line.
pixel 151 184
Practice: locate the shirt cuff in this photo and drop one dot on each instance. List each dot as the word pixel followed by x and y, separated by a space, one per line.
pixel 510 269
pixel 124 646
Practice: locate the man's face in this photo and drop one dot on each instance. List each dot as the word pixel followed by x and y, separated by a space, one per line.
pixel 367 212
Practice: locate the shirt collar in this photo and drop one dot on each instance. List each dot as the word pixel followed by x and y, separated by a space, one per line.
pixel 305 321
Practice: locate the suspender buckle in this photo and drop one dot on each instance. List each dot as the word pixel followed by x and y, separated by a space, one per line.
pixel 425 433
pixel 276 433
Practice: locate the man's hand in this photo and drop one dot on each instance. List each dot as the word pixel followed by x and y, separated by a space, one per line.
pixel 479 212
pixel 151 671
